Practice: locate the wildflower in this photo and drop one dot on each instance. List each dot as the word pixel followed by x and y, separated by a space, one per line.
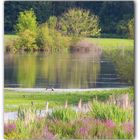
pixel 128 127
pixel 47 134
pixel 8 128
pixel 82 132
pixel 109 124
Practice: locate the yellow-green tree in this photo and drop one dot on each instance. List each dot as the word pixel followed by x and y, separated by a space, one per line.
pixel 26 28
pixel 79 22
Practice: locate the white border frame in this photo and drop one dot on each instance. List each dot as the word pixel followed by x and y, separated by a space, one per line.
pixel 137 67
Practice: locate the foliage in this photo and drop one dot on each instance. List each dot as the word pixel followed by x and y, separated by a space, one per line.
pixel 26 21
pixel 122 28
pixel 26 29
pixel 48 38
pixel 110 112
pixel 44 40
pixel 79 22
pixel 64 114
pixel 26 40
pixel 110 12
pixel 52 22
pixel 131 27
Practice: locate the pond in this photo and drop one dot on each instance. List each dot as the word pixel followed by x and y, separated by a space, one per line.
pixel 68 70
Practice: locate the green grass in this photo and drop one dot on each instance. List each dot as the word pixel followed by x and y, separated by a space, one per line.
pixel 13 99
pixel 112 42
pixel 108 44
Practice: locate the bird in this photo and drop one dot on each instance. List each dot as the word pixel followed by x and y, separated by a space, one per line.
pixel 52 89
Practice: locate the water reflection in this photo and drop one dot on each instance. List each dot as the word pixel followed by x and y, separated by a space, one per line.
pixel 67 70
pixel 124 63
pixel 26 70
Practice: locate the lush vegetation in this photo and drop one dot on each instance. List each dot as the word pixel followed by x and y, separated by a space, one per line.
pixel 103 120
pixel 63 31
pixel 114 15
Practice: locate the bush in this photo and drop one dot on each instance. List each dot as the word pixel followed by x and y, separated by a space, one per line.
pixel 26 40
pixel 44 39
pixel 50 38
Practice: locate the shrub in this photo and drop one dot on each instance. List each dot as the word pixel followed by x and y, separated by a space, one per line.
pixel 66 114
pixel 50 38
pixel 44 39
pixel 26 41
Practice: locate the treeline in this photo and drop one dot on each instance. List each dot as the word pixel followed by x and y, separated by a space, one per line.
pixel 113 15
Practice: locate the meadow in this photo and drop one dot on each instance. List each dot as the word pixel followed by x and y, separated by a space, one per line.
pixel 13 99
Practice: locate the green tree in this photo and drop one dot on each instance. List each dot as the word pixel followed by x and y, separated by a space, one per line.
pixel 52 22
pixel 26 20
pixel 131 28
pixel 79 22
pixel 44 39
pixel 26 29
pixel 122 28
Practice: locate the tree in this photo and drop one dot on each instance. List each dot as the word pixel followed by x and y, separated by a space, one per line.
pixel 26 28
pixel 131 28
pixel 122 28
pixel 79 22
pixel 26 20
pixel 52 22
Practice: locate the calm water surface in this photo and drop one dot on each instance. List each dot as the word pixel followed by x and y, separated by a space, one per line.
pixel 67 70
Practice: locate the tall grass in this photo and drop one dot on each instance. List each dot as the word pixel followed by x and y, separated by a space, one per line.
pixel 110 112
pixel 64 114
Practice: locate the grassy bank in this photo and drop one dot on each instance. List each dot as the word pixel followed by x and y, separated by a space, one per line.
pixel 110 44
pixel 9 39
pixel 13 99
pixel 105 43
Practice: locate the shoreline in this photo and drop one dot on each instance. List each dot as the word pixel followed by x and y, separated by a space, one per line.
pixel 61 89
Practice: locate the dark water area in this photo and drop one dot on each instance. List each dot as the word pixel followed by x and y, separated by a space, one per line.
pixel 67 70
